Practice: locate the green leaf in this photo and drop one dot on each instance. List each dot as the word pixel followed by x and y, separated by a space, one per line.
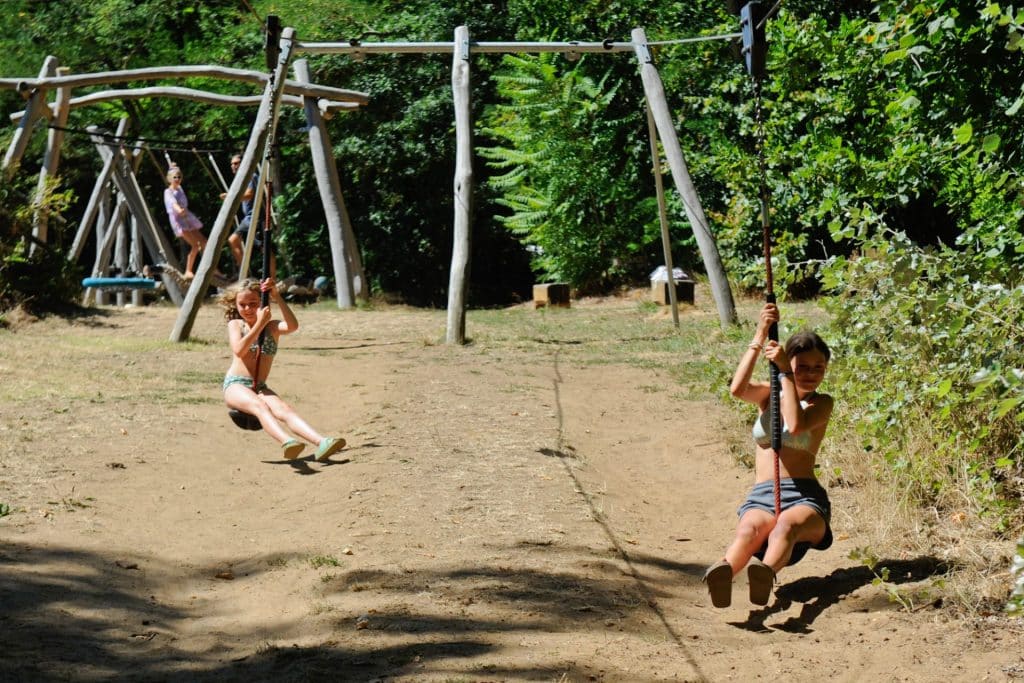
pixel 1007 405
pixel 991 143
pixel 962 134
pixel 894 56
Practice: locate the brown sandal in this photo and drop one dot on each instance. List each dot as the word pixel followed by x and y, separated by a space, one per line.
pixel 718 577
pixel 761 580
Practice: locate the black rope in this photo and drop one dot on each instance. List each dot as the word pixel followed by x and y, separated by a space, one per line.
pixel 770 14
pixel 163 143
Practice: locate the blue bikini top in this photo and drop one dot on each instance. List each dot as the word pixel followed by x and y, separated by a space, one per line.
pixel 762 434
pixel 269 343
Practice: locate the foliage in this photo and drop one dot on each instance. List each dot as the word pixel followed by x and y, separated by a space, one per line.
pixel 42 279
pixel 1016 603
pixel 575 201
pixel 932 353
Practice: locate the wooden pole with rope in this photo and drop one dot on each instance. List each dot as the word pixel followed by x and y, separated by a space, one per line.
pixel 755 50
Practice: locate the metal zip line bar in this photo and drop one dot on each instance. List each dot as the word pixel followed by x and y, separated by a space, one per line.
pixel 447 47
pixel 355 47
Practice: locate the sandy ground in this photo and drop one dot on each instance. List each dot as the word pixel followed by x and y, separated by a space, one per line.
pixel 505 511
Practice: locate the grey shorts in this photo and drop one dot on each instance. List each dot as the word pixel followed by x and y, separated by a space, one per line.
pixel 793 492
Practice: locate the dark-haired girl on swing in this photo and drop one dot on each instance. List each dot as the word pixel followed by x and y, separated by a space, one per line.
pixel 765 544
pixel 252 354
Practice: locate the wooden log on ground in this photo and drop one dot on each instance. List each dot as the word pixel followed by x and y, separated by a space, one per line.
pixel 551 294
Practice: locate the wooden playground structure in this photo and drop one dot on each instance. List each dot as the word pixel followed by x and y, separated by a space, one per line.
pixel 121 154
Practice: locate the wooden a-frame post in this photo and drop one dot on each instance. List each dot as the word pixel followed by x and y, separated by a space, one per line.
pixel 51 160
pixel 655 92
pixel 266 120
pixel 344 252
pixel 124 178
pixel 35 109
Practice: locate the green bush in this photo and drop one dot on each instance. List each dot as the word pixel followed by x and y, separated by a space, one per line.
pixel 933 351
pixel 43 279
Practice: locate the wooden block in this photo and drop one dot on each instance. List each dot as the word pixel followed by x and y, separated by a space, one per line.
pixel 551 294
pixel 684 292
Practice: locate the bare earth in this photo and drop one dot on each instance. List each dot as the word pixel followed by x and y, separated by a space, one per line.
pixel 504 511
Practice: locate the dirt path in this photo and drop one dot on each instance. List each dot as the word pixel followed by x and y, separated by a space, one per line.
pixel 508 511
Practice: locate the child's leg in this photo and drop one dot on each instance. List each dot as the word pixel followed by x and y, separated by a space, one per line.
pixel 798 523
pixel 192 238
pixel 241 397
pixel 284 412
pixel 751 532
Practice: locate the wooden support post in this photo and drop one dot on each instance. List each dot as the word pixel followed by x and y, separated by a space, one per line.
pixel 51 161
pixel 666 241
pixel 655 92
pixel 266 120
pixel 121 257
pixel 463 190
pixel 135 258
pixel 344 253
pixel 105 238
pixel 35 109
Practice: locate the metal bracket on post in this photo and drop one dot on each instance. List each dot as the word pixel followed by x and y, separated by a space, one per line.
pixel 643 53
pixel 755 45
pixel 464 50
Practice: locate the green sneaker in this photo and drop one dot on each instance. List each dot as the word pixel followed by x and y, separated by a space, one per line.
pixel 328 447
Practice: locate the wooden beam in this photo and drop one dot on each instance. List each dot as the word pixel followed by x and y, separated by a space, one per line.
pixel 188 71
pixel 91 209
pixel 445 47
pixel 462 190
pixel 339 227
pixel 655 92
pixel 191 94
pixel 266 123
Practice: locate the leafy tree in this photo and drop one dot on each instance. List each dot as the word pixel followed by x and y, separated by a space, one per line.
pixel 575 199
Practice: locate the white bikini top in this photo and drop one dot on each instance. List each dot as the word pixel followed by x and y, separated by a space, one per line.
pixel 762 434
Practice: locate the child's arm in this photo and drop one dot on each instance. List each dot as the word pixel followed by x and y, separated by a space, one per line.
pixel 288 323
pixel 796 417
pixel 742 387
pixel 240 343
